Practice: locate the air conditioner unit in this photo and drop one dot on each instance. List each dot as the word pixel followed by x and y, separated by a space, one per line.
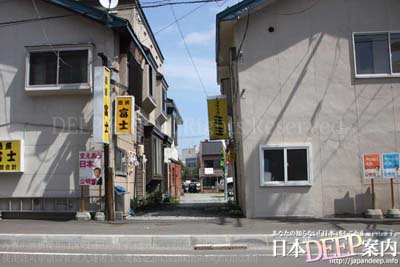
pixel 140 150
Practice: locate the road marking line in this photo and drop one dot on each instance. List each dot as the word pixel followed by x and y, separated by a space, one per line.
pixel 139 235
pixel 127 255
pixel 219 246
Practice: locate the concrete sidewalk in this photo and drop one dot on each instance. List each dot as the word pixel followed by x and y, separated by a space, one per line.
pixel 165 225
pixel 173 234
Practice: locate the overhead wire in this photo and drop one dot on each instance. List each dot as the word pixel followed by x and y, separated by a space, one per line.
pixel 188 52
pixel 179 3
pixel 245 33
pixel 13 22
pixel 54 50
pixel 45 34
pixel 190 12
pixel 299 11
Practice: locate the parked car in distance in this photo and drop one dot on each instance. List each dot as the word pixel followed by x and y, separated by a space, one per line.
pixel 185 187
pixel 198 187
pixel 194 187
pixel 221 185
pixel 229 182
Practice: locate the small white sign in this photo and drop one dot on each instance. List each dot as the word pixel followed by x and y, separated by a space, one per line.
pixel 208 170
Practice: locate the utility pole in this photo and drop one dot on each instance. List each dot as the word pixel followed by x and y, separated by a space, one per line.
pixel 109 187
pixel 108 171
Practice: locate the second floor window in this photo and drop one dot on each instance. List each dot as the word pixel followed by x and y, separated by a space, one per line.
pixel 212 164
pixel 164 101
pixel 157 157
pixel 150 80
pixel 58 67
pixel 120 162
pixel 377 54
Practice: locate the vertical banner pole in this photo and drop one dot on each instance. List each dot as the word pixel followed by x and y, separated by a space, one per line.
pixel 392 191
pixel 100 197
pixel 373 193
pixel 108 184
pixel 82 200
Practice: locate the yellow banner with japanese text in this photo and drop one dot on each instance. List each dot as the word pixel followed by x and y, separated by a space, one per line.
pixel 218 117
pixel 124 114
pixel 107 109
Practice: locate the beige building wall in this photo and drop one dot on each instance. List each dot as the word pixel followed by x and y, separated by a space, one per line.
pixel 299 86
pixel 51 153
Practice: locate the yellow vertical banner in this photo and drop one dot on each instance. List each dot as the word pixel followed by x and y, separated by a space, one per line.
pixel 11 156
pixel 107 109
pixel 124 114
pixel 218 117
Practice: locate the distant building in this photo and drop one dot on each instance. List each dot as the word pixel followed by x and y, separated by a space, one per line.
pixel 211 172
pixel 171 159
pixel 190 158
pixel 189 153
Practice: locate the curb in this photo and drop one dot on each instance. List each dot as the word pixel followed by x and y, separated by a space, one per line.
pixel 40 242
pixel 171 218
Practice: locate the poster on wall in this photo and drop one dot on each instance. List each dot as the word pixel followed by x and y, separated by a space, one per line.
pixel 390 165
pixel 372 166
pixel 11 156
pixel 90 168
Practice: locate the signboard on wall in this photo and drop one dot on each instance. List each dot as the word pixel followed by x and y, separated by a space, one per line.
pixel 11 156
pixel 101 106
pixel 208 171
pixel 372 166
pixel 390 165
pixel 218 117
pixel 124 115
pixel 90 168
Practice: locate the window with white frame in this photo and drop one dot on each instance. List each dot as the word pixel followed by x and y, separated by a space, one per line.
pixel 58 67
pixel 157 156
pixel 120 162
pixel 377 54
pixel 285 165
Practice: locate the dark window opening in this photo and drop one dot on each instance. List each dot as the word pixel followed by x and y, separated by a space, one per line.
pixel 73 66
pixel 273 165
pixel 297 164
pixel 135 80
pixel 150 80
pixel 58 67
pixel 372 53
pixel 43 68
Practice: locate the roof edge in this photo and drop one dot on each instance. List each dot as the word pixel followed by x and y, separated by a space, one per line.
pixel 153 37
pixel 100 16
pixel 232 13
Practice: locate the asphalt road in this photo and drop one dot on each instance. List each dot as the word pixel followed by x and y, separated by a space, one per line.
pixel 196 198
pixel 163 258
pixel 113 257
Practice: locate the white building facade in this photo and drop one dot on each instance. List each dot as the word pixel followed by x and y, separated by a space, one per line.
pixel 312 86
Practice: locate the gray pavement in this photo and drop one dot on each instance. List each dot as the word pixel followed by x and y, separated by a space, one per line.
pixel 162 258
pixel 166 241
pixel 198 226
pixel 170 236
pixel 196 198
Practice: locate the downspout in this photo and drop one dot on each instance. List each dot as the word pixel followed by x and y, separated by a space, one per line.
pixel 233 89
